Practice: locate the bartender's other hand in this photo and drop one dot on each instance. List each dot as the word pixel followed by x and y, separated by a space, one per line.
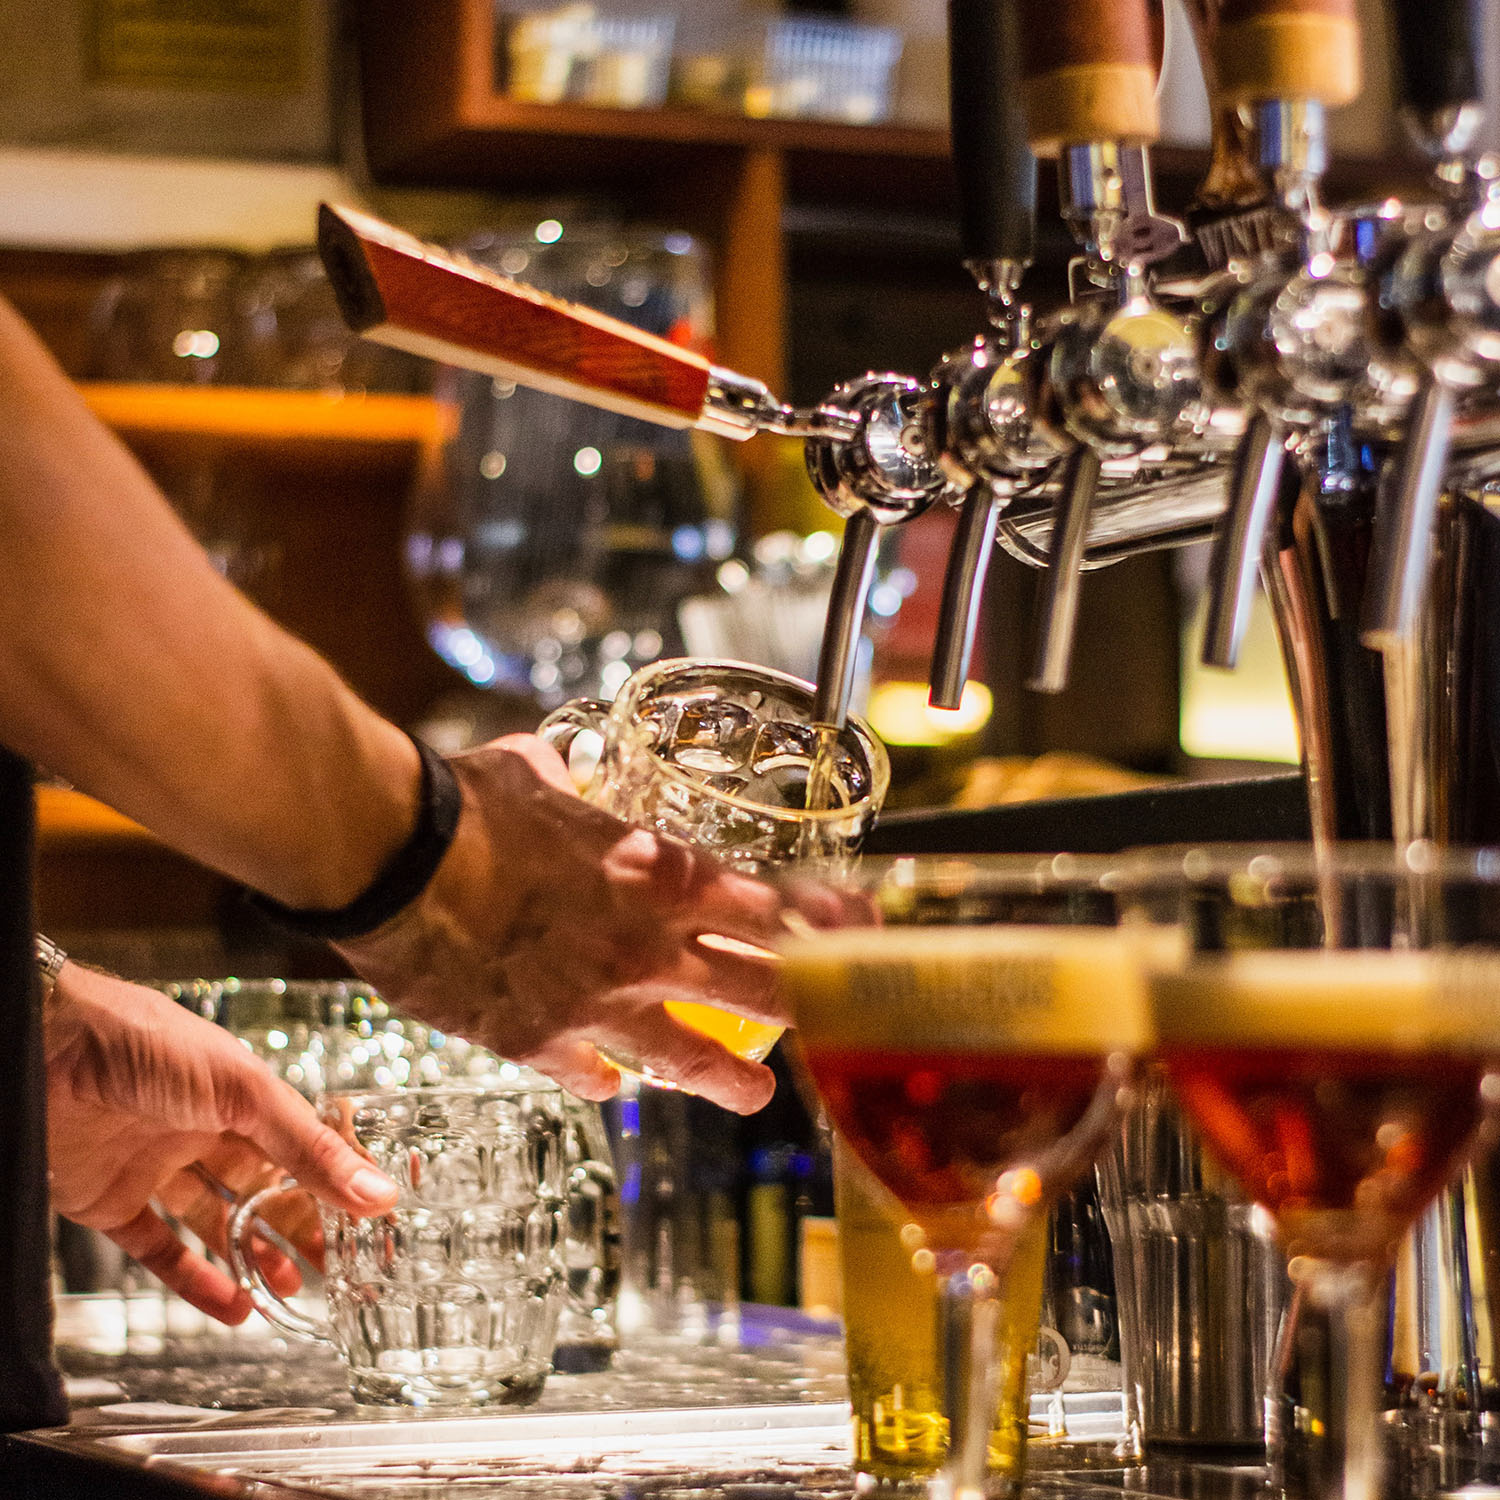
pixel 552 929
pixel 140 1094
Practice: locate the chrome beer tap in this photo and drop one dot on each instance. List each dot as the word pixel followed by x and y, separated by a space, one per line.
pixel 877 476
pixel 866 448
pixel 1288 337
pixel 1121 372
pixel 1440 302
pixel 978 419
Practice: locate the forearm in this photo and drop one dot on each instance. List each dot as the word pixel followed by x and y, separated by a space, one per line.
pixel 129 666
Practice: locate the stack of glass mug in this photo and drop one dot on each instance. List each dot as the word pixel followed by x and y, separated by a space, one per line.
pixel 341 1046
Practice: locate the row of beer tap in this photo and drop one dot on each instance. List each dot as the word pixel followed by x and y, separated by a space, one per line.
pixel 1185 380
pixel 1164 405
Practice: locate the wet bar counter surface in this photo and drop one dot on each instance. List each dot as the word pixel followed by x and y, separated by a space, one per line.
pixel 757 1416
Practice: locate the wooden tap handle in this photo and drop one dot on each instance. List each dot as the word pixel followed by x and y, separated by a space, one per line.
pixel 1088 72
pixel 1287 49
pixel 397 290
pixel 1233 181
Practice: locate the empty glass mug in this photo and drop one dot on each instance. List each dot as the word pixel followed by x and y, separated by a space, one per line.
pixel 451 1299
pixel 717 754
pixel 340 1036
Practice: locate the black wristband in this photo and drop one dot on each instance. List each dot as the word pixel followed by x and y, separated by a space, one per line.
pixel 404 875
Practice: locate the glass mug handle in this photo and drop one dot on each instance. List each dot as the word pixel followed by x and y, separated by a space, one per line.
pixel 248 1274
pixel 563 725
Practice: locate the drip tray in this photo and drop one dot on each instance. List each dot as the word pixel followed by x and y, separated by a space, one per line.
pixel 742 1453
pixel 765 1452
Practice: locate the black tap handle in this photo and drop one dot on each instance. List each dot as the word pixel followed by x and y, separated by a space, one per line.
pixel 1437 52
pixel 995 167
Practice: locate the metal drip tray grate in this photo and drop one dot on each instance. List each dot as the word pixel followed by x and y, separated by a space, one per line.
pixel 742 1453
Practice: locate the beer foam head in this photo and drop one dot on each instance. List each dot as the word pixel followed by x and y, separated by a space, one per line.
pixel 979 990
pixel 1353 1000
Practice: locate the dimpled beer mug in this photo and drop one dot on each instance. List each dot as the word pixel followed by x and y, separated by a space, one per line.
pixel 719 755
pixel 451 1299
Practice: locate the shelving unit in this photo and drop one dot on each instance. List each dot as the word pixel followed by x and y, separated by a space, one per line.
pixel 433 115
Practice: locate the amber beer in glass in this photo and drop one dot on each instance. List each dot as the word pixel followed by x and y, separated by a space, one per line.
pixel 975 1070
pixel 1332 1033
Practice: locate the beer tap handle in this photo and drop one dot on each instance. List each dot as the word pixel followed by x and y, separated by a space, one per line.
pixel 963 589
pixel 1057 600
pixel 838 657
pixel 1235 559
pixel 1437 53
pixel 396 290
pixel 1438 79
pixel 1269 50
pixel 997 216
pixel 1088 72
pixel 995 168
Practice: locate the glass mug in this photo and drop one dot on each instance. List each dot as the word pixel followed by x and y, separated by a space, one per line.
pixel 452 1298
pixel 339 1036
pixel 717 754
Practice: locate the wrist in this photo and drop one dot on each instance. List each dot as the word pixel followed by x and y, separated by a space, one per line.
pixel 403 874
pixel 49 964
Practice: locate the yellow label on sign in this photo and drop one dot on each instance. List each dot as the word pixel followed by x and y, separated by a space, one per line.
pixel 251 46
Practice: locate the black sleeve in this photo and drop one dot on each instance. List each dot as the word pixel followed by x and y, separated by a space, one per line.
pixel 31 1392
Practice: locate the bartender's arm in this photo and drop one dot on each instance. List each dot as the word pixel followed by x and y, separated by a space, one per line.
pixel 130 667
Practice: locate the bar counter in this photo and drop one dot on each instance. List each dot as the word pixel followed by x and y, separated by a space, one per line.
pixel 753 1413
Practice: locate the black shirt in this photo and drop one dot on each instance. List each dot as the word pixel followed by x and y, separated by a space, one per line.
pixel 30 1390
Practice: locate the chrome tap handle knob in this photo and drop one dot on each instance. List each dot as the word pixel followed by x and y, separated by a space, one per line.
pixel 1062 583
pixel 1239 537
pixel 838 657
pixel 963 592
pixel 1124 377
pixel 882 467
pixel 979 417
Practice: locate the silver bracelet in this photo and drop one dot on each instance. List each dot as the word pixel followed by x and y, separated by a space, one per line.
pixel 49 961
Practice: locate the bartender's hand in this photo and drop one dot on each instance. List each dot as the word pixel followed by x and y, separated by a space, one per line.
pixel 552 928
pixel 139 1092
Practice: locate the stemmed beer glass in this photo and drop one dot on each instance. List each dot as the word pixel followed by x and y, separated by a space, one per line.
pixel 1332 1027
pixel 973 1045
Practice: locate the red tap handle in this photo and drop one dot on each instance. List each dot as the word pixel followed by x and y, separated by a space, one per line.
pixel 393 288
pixel 1287 49
pixel 1088 72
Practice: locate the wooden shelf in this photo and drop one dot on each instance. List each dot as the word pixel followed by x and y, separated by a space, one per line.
pixel 432 112
pixel 318 484
pixel 307 428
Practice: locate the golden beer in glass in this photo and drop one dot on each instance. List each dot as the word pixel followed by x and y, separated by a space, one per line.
pixel 891 1339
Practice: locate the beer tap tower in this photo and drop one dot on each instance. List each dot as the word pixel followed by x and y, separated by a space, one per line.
pixel 1326 406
